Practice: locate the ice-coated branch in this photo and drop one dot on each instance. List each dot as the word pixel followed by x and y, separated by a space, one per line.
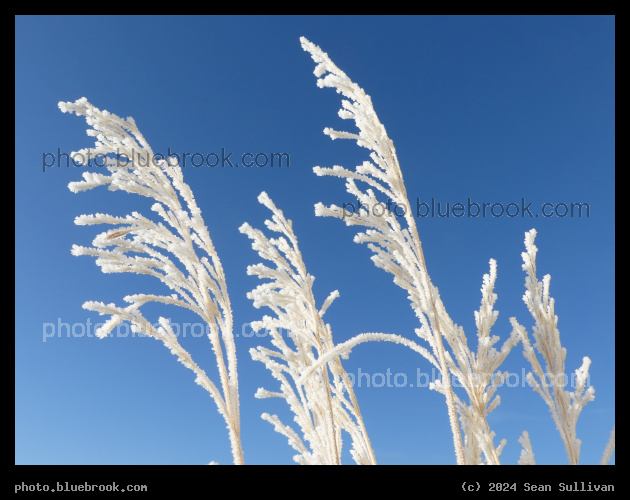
pixel 168 249
pixel 323 403
pixel 346 347
pixel 391 234
pixel 479 374
pixel 610 447
pixel 565 406
pixel 527 455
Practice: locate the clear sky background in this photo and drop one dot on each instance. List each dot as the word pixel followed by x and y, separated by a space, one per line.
pixel 495 109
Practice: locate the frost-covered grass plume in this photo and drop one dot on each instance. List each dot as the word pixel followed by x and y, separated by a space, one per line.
pixel 174 246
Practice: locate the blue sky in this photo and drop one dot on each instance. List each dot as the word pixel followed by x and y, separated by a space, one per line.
pixel 491 109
